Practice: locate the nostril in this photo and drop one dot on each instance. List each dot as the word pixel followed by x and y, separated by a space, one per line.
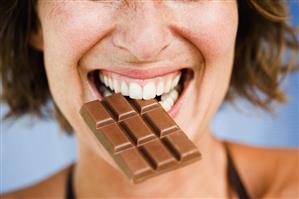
pixel 143 45
pixel 145 50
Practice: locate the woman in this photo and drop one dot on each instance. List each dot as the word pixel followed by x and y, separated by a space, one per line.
pixel 220 49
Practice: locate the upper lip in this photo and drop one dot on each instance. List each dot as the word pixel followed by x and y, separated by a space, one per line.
pixel 145 72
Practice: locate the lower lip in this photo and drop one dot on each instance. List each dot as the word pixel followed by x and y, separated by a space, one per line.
pixel 176 107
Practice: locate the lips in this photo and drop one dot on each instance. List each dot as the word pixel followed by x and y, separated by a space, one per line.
pixel 140 89
pixel 166 88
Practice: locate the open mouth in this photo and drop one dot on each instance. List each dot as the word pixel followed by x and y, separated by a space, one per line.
pixel 168 89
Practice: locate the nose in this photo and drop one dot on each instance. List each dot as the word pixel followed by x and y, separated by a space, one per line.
pixel 143 32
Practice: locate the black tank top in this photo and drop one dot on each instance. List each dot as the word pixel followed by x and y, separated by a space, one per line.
pixel 233 177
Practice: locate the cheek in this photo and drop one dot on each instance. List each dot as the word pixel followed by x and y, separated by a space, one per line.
pixel 211 27
pixel 73 27
pixel 70 28
pixel 212 30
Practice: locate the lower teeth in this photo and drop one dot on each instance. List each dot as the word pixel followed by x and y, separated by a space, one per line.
pixel 167 100
pixel 107 92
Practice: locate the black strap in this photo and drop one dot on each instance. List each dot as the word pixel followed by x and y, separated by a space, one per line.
pixel 70 194
pixel 235 179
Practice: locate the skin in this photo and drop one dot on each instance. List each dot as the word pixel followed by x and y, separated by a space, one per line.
pixel 116 35
pixel 80 36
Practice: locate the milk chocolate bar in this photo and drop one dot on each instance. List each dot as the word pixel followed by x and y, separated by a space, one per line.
pixel 140 136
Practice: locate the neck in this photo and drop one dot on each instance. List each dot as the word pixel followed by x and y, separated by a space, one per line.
pixel 95 177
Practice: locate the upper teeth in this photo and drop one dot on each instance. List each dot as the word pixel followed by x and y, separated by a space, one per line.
pixel 140 89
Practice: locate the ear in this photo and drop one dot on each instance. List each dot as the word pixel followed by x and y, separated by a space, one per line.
pixel 36 40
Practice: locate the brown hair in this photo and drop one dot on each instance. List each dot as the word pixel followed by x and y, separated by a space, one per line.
pixel 262 39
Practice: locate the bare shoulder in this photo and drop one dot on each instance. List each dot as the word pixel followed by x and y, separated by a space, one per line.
pixel 267 172
pixel 53 187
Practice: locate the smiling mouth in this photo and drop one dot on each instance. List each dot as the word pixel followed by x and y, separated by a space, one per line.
pixel 167 89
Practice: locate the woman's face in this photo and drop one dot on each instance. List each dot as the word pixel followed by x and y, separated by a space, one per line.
pixel 143 47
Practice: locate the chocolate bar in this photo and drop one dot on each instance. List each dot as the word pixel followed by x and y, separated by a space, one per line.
pixel 141 137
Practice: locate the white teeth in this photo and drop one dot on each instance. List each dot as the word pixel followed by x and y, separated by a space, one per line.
pixel 175 81
pixel 102 77
pixel 106 81
pixel 149 91
pixel 167 104
pixel 168 86
pixel 160 88
pixel 115 86
pixel 107 93
pixel 168 99
pixel 124 89
pixel 165 96
pixel 135 91
pixel 141 89
pixel 173 94
pixel 110 83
